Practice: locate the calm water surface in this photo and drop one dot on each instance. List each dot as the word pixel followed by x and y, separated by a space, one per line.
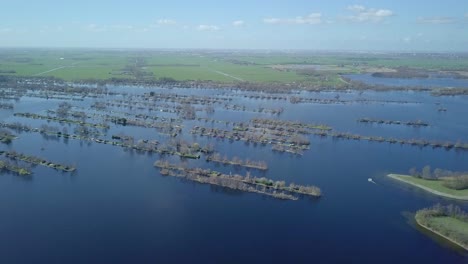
pixel 117 208
pixel 433 81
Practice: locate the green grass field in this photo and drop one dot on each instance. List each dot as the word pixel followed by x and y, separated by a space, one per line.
pixel 450 223
pixel 222 66
pixel 449 227
pixel 433 185
pixel 382 60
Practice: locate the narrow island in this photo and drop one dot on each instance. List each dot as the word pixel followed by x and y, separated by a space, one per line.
pixel 247 183
pixel 6 136
pixel 403 73
pixel 6 166
pixel 449 222
pixel 415 123
pixel 444 183
pixel 13 155
pixel 236 161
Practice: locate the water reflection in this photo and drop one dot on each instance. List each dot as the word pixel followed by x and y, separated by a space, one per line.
pixel 116 184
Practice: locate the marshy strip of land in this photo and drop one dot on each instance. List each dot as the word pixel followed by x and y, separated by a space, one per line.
pixel 264 186
pixel 37 161
pixel 6 136
pixel 412 142
pixel 7 166
pixel 415 123
pixel 302 100
pixel 60 120
pixel 142 145
pixel 281 140
pixel 236 161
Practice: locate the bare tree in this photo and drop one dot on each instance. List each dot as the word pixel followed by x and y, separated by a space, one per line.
pixel 426 172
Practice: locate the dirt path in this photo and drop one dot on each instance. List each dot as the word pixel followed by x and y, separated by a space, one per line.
pixel 342 80
pixel 56 69
pixel 227 75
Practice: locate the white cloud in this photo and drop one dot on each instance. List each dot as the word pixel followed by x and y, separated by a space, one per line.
pixel 357 8
pixel 95 28
pixel 312 19
pixel 238 23
pixel 102 28
pixel 5 30
pixel 208 28
pixel 418 37
pixel 165 21
pixel 436 20
pixel 122 27
pixel 49 29
pixel 364 14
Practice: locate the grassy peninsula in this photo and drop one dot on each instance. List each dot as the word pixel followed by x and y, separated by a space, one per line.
pixel 440 182
pixel 434 186
pixel 449 222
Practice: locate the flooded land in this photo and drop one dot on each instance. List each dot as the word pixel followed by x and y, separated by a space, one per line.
pixel 141 154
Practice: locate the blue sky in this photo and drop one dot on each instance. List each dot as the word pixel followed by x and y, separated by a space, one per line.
pixel 414 25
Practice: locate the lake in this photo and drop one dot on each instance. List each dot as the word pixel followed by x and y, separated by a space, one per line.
pixel 117 208
pixel 432 81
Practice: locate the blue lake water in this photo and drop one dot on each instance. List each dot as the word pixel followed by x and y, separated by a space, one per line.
pixel 117 208
pixel 434 81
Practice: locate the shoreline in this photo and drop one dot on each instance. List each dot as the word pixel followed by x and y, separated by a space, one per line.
pixel 345 85
pixel 446 195
pixel 441 235
pixel 253 86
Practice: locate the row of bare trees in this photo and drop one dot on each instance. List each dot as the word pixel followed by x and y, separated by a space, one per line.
pixel 236 181
pixel 236 161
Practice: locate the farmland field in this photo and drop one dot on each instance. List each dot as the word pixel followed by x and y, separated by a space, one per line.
pixel 70 64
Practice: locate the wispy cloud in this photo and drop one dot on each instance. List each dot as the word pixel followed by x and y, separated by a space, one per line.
pixel 6 30
pixel 466 15
pixel 103 28
pixel 363 14
pixel 207 28
pixel 407 39
pixel 238 23
pixel 165 21
pixel 143 29
pixel 436 20
pixel 356 8
pixel 51 29
pixel 312 19
pixel 95 28
pixel 414 38
pixel 122 27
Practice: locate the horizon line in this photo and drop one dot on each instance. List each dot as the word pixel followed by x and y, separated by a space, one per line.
pixel 318 50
